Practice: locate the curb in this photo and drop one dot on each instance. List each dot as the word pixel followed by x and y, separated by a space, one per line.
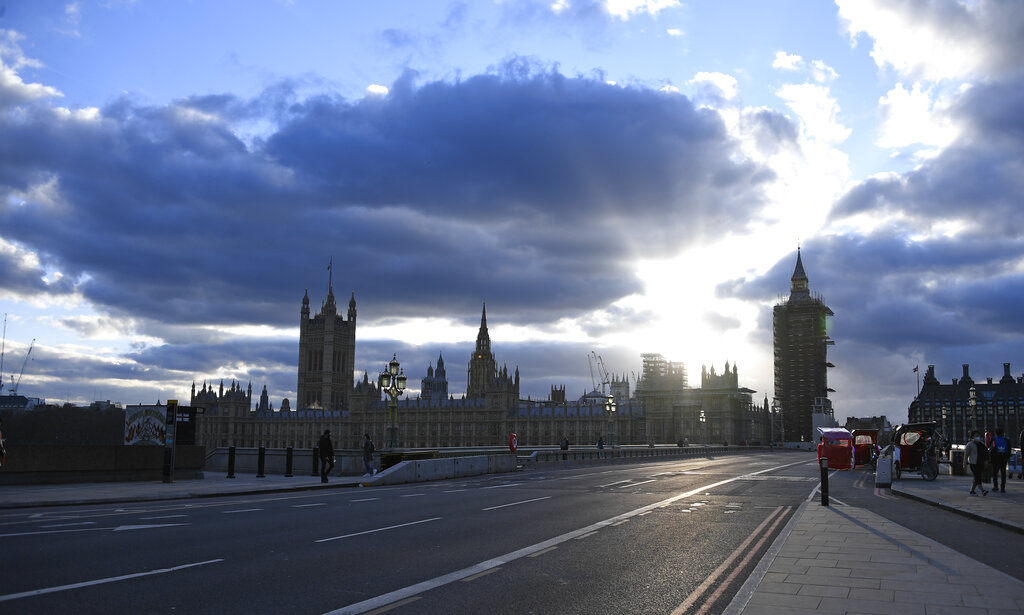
pixel 1007 525
pixel 179 496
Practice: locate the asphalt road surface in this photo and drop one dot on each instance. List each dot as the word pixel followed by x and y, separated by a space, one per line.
pixel 660 537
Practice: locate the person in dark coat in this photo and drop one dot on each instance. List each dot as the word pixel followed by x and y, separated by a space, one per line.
pixel 368 450
pixel 326 455
pixel 564 446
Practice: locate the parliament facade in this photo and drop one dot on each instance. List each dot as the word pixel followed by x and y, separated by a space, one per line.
pixel 662 409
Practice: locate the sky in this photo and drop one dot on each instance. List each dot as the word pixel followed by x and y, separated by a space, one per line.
pixel 613 177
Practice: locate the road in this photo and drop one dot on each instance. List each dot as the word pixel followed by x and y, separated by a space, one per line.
pixel 623 538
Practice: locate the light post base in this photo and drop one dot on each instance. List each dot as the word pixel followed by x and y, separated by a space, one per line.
pixel 391 438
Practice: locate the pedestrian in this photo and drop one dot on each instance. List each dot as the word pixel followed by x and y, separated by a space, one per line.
pixel 1000 454
pixel 326 455
pixel 975 455
pixel 3 449
pixel 368 450
pixel 564 446
pixel 600 446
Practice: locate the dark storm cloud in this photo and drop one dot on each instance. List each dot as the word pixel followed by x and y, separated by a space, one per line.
pixel 523 186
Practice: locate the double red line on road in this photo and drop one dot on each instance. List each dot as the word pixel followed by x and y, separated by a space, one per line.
pixel 777 515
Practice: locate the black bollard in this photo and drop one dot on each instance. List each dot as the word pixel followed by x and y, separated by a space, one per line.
pixel 261 463
pixel 288 463
pixel 316 462
pixel 231 462
pixel 824 481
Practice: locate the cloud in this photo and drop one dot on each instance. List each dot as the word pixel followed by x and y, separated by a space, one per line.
pixel 940 39
pixel 523 186
pixel 13 90
pixel 786 61
pixel 911 117
pixel 817 109
pixel 725 85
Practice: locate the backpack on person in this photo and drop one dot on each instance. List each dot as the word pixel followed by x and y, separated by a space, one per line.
pixel 1001 445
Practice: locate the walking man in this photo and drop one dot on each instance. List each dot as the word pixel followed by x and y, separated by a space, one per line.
pixel 368 449
pixel 326 455
pixel 1000 455
pixel 975 455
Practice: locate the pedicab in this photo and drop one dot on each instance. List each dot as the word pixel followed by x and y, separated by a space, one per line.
pixel 918 444
pixel 836 445
pixel 865 447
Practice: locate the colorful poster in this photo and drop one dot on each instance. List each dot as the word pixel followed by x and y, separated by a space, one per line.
pixel 144 425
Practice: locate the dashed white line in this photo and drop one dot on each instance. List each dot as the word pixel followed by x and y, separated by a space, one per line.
pixel 643 482
pixel 412 495
pixel 618 482
pixel 380 529
pixel 364 500
pixel 230 512
pixel 516 503
pixel 308 505
pixel 59 588
pixel 502 486
pixel 69 524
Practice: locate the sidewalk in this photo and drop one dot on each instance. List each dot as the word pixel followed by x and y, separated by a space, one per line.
pixel 843 559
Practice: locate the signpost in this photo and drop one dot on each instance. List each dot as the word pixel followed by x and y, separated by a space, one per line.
pixel 513 442
pixel 171 419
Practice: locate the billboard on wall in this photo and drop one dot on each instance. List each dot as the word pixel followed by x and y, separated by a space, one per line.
pixel 145 425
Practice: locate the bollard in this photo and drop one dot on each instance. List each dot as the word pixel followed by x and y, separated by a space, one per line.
pixel 231 462
pixel 261 462
pixel 824 481
pixel 288 463
pixel 316 462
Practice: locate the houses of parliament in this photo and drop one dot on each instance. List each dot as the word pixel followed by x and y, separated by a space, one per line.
pixel 662 408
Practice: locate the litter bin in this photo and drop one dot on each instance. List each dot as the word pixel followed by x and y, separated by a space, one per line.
pixel 883 471
pixel 956 462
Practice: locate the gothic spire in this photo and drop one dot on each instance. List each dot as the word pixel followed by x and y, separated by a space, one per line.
pixel 798 282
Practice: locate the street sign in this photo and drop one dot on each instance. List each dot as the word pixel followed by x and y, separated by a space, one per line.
pixel 513 442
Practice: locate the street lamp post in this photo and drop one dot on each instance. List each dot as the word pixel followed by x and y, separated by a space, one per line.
pixel 703 421
pixel 609 406
pixel 972 400
pixel 944 426
pixel 392 384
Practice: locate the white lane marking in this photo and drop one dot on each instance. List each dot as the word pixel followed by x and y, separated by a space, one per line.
pixel 68 524
pixel 643 482
pixel 229 512
pixel 618 482
pixel 119 528
pixel 418 588
pixel 502 486
pixel 60 588
pixel 412 495
pixel 308 505
pixel 380 529
pixel 162 517
pixel 455 491
pixel 364 500
pixel 517 503
pixel 588 535
pixel 539 553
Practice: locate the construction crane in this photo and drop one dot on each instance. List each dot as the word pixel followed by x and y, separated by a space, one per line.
pixel 14 384
pixel 595 359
